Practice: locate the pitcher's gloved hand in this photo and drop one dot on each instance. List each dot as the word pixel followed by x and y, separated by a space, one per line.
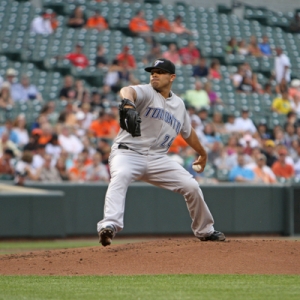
pixel 130 119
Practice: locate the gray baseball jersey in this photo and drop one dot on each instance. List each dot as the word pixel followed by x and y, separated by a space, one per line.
pixel 162 120
pixel 146 160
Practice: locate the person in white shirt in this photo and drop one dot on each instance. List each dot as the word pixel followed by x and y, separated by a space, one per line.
pixel 230 124
pixel 42 24
pixel 244 123
pixel 282 67
pixel 69 142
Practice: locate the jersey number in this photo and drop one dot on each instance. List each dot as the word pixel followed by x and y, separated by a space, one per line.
pixel 167 142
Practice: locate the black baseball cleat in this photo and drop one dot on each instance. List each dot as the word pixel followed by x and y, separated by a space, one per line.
pixel 216 236
pixel 106 235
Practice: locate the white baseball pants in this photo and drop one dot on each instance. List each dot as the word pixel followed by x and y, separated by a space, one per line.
pixel 127 166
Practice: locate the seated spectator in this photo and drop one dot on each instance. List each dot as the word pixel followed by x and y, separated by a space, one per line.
pixel 19 127
pixel 6 99
pixel 190 54
pixel 289 135
pixel 161 24
pixel 232 47
pixel 178 27
pixel 244 123
pixel 230 125
pixel 268 89
pixel 294 88
pixel 48 172
pixel 245 86
pixel 237 78
pixel 42 24
pixel 197 97
pixel 269 151
pixel 265 47
pixel 172 54
pixel 69 142
pixel 139 26
pixel 249 143
pixel 61 166
pixel 240 173
pixel 25 91
pixel 100 60
pixel 280 167
pixel 282 104
pixel 97 22
pixel 213 96
pixel 217 122
pixel 97 171
pixel 214 71
pixel 77 58
pixel 105 126
pixel 24 170
pixel 263 173
pixel 154 54
pixel 8 128
pixel 78 171
pixel 49 111
pixel 211 136
pixel 68 91
pixel 126 58
pixel 53 148
pixel 243 48
pixel 263 131
pixel 10 77
pixel 77 19
pixel 253 47
pixel 38 157
pixel 6 165
pixel 231 145
pixel 295 23
pixel 200 69
pixel 256 86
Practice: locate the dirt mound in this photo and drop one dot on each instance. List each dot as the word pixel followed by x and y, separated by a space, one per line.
pixel 167 256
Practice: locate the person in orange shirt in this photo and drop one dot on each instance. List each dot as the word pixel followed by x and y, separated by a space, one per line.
pixel 161 24
pixel 97 21
pixel 77 172
pixel 178 144
pixel 280 167
pixel 138 23
pixel 126 59
pixel 105 126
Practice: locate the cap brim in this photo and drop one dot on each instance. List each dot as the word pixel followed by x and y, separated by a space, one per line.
pixel 149 69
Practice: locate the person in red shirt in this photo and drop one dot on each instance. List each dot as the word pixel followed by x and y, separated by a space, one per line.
pixel 189 54
pixel 126 59
pixel 161 24
pixel 97 21
pixel 77 58
pixel 280 167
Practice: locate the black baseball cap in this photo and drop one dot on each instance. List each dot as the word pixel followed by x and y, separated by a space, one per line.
pixel 162 64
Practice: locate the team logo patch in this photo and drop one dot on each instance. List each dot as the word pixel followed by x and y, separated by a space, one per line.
pixel 157 62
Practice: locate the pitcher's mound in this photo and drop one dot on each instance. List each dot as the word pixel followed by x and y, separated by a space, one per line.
pixel 167 256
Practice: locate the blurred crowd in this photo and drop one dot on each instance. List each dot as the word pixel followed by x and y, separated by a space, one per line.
pixel 73 143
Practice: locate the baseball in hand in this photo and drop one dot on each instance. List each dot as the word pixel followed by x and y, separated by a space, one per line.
pixel 197 168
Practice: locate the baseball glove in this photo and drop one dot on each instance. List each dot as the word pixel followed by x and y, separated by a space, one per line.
pixel 130 119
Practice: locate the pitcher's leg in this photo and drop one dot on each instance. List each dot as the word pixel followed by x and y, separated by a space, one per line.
pixel 125 168
pixel 166 173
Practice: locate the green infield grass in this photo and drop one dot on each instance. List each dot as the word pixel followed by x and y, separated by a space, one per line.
pixel 165 287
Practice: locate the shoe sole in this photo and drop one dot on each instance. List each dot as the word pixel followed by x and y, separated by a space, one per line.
pixel 105 236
